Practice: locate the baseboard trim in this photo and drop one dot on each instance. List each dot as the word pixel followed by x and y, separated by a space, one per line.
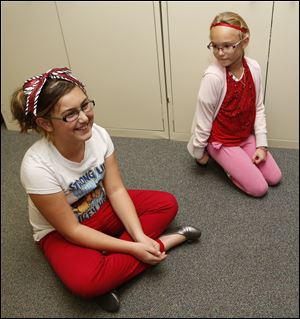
pixel 137 133
pixel 181 137
pixel 283 144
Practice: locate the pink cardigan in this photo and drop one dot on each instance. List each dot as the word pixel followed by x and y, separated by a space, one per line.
pixel 210 97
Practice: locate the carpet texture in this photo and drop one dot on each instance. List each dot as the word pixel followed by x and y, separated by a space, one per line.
pixel 245 265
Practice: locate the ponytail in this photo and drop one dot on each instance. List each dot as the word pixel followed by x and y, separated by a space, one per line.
pixel 18 102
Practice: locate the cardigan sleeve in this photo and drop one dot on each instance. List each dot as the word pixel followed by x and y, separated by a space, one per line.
pixel 260 125
pixel 208 100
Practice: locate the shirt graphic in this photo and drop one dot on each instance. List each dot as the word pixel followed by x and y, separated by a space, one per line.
pixel 90 191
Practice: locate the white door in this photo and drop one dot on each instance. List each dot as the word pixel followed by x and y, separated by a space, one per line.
pixel 187 25
pixel 115 49
pixel 282 92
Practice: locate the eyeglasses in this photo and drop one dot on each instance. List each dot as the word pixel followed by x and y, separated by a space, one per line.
pixel 73 115
pixel 227 48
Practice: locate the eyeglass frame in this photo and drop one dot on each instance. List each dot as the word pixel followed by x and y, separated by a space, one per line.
pixel 228 46
pixel 64 118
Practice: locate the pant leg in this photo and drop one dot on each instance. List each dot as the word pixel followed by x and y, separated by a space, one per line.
pixel 243 172
pixel 150 203
pixel 269 167
pixel 88 272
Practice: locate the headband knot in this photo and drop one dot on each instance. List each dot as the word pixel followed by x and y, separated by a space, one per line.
pixel 33 86
pixel 224 24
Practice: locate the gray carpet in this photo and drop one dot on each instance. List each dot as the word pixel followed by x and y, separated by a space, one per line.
pixel 245 265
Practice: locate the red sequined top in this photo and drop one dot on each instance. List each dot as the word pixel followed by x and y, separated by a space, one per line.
pixel 235 120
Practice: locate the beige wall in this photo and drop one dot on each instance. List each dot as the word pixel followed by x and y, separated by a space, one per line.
pixel 118 49
pixel 282 90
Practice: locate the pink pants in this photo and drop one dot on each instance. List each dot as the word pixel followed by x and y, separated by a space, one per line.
pixel 88 272
pixel 237 161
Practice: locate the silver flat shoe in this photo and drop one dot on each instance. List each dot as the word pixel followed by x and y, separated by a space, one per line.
pixel 189 232
pixel 109 302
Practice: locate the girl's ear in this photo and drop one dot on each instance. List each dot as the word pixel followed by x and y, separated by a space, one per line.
pixel 246 42
pixel 45 124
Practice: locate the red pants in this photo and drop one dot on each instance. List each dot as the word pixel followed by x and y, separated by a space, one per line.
pixel 89 273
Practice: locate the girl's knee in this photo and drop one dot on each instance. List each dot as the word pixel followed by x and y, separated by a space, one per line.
pixel 85 288
pixel 173 201
pixel 255 187
pixel 168 200
pixel 258 190
pixel 275 179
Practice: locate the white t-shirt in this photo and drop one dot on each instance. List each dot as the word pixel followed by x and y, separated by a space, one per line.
pixel 45 171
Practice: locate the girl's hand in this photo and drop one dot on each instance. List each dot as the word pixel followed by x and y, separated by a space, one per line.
pixel 150 243
pixel 147 254
pixel 204 159
pixel 260 155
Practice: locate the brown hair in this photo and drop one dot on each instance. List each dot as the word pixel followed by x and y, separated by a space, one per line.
pixel 50 94
pixel 233 19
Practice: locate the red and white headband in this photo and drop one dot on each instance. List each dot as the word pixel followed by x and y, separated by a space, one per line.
pixel 33 86
pixel 224 24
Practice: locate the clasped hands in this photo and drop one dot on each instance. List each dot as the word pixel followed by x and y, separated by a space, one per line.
pixel 148 251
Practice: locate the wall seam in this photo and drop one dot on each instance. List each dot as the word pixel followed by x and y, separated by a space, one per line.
pixel 269 50
pixel 164 68
pixel 63 36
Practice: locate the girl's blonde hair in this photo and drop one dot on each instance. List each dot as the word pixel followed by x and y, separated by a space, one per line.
pixel 233 19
